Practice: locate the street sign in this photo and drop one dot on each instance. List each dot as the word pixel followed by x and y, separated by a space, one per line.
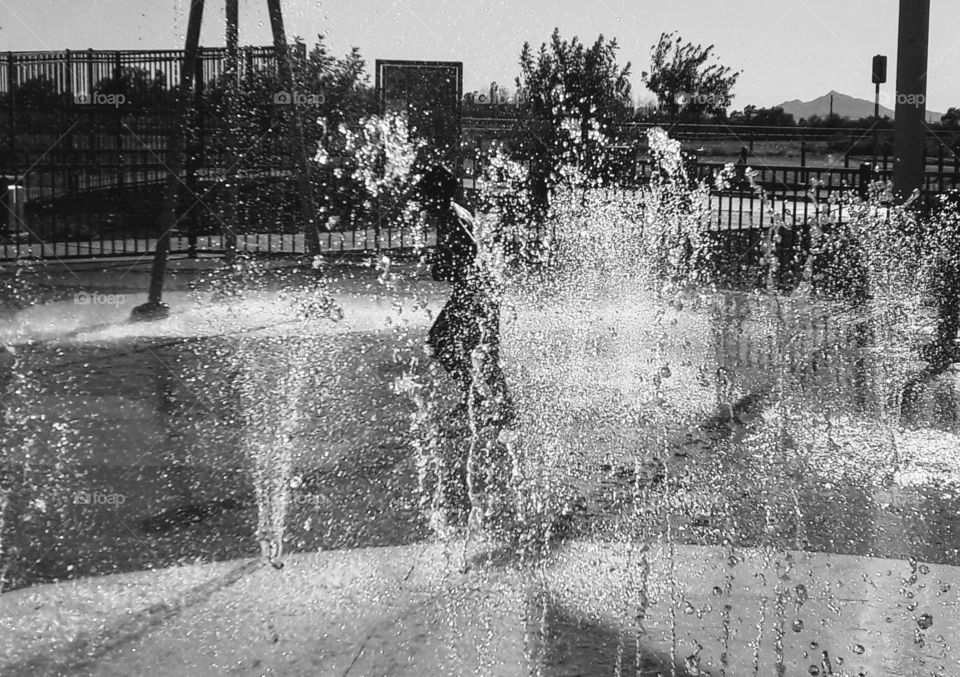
pixel 879 69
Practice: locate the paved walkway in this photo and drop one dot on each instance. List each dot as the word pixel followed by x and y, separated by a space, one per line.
pixel 410 611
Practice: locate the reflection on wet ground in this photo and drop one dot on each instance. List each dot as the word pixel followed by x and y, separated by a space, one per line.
pixel 566 643
pixel 131 456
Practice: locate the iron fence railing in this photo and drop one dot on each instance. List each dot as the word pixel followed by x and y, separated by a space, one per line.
pixel 80 71
pixel 86 181
pixel 104 199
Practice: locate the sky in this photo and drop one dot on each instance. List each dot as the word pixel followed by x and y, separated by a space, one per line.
pixel 786 49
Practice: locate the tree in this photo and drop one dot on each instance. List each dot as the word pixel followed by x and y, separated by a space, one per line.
pixel 343 82
pixel 951 118
pixel 765 117
pixel 256 117
pixel 570 96
pixel 685 81
pixel 139 88
pixel 40 93
pixel 336 90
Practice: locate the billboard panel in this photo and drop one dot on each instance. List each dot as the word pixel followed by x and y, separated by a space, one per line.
pixel 430 92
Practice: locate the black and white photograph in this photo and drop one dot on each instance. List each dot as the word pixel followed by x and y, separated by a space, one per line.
pixel 416 338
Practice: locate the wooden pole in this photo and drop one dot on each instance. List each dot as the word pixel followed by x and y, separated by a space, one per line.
pixel 155 308
pixel 308 211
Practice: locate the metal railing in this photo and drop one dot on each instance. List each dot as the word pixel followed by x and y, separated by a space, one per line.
pixel 90 202
pixel 79 71
pixel 86 181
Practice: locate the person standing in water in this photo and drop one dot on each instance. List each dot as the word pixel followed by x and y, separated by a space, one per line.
pixel 465 338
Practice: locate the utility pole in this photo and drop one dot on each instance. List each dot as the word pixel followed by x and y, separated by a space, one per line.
pixel 909 141
pixel 909 170
pixel 879 77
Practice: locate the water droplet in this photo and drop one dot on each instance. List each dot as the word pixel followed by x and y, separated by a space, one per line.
pixel 858 649
pixel 797 625
pixel 814 670
pixel 925 621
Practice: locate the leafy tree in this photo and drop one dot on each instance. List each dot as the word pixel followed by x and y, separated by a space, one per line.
pixel 686 81
pixel 570 96
pixel 951 118
pixel 40 93
pixel 139 88
pixel 334 90
pixel 251 123
pixel 342 81
pixel 767 117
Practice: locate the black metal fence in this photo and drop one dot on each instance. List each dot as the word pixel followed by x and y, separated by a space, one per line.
pixel 89 198
pixel 83 178
pixel 80 71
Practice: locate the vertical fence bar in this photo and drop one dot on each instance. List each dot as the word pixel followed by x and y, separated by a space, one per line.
pixel 11 98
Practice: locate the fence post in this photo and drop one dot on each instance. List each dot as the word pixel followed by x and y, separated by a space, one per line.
pixel 194 152
pixel 118 123
pixel 956 162
pixel 68 75
pixel 90 70
pixel 16 211
pixel 940 168
pixel 866 170
pixel 12 85
pixel 73 186
pixel 248 59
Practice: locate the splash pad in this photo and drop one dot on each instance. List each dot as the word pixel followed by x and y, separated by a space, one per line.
pixel 746 497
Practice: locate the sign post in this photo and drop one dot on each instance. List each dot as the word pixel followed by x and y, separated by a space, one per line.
pixel 879 77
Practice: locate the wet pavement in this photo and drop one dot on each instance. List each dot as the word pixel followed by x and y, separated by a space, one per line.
pixel 752 436
pixel 593 608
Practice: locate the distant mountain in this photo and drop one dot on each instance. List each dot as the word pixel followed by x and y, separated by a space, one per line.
pixel 844 105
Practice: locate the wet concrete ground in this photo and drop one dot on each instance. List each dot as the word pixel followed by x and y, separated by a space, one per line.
pixel 145 432
pixel 591 608
pixel 131 458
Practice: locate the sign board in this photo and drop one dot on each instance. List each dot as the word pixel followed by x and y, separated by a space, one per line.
pixel 430 93
pixel 879 69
